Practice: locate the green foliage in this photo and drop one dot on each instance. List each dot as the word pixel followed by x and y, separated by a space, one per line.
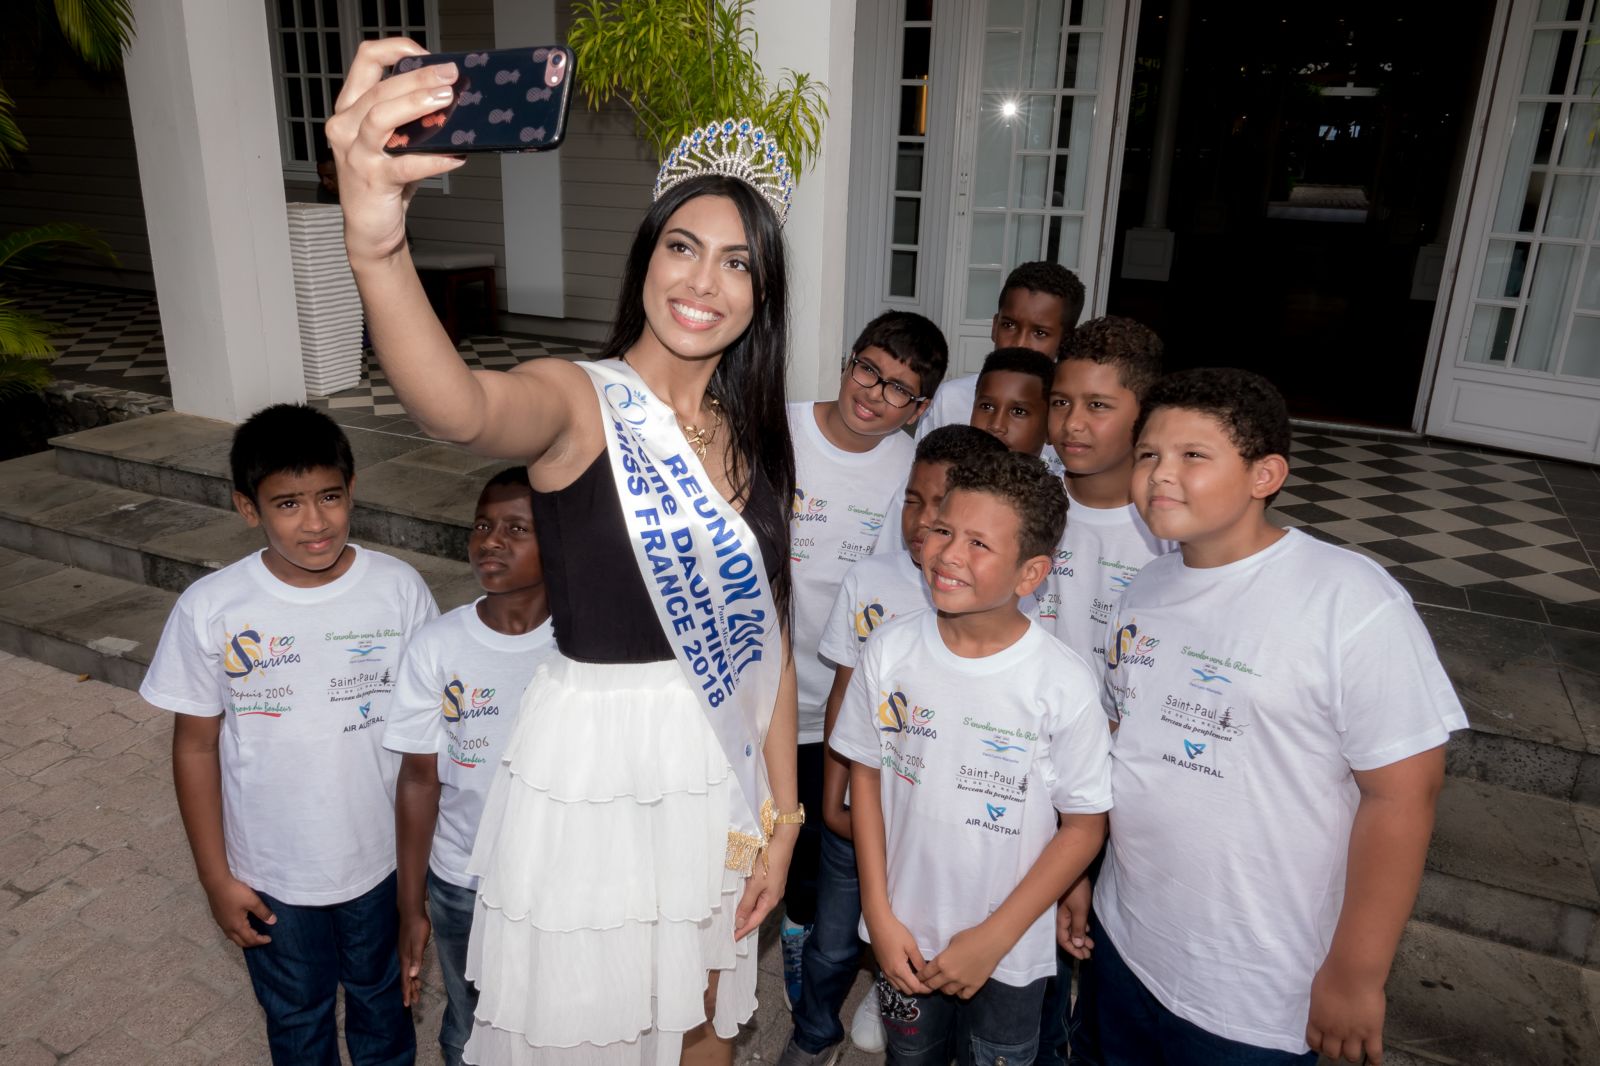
pixel 98 32
pixel 679 64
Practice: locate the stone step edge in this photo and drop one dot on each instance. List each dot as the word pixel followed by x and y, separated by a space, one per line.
pixel 369 520
pixel 163 568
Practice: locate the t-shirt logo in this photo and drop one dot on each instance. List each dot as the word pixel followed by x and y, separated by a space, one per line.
pixel 450 704
pixel 1059 567
pixel 869 616
pixel 242 653
pixel 1130 648
pixel 897 714
pixel 365 651
pixel 807 508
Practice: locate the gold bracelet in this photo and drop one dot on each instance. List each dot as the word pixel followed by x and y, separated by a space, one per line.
pixel 794 817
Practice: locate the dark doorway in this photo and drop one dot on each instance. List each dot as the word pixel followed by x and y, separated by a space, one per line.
pixel 1317 153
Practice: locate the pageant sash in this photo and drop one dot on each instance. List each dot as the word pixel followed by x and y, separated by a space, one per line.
pixel 703 568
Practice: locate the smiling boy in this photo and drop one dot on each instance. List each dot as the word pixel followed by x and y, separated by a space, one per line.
pixel 875 590
pixel 279 670
pixel 1281 720
pixel 459 692
pixel 970 730
pixel 849 456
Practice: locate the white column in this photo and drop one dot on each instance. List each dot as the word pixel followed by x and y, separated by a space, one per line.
pixel 530 184
pixel 205 130
pixel 816 38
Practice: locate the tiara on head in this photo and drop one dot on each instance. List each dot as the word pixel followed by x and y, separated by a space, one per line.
pixel 739 149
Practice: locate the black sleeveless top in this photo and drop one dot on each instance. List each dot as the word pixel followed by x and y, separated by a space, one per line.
pixel 599 603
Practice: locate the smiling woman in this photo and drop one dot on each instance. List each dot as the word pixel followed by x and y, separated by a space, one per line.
pixel 652 760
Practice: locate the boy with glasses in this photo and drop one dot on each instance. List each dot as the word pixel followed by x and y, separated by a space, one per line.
pixel 850 461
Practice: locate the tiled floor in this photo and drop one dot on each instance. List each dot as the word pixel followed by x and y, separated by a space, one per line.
pixel 1461 527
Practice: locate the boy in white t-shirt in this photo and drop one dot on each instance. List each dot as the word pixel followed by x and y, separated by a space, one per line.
pixel 875 591
pixel 1106 367
pixel 849 458
pixel 1011 403
pixel 1038 308
pixel 279 669
pixel 460 687
pixel 969 728
pixel 1281 725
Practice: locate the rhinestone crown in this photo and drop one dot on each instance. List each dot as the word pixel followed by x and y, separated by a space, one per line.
pixel 739 149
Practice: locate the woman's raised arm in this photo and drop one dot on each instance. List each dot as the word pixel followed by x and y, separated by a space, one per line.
pixel 520 415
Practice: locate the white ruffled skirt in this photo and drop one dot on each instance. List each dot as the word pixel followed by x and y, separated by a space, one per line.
pixel 603 900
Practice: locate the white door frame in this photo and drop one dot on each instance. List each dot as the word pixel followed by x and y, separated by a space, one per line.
pixel 1524 410
pixel 1119 29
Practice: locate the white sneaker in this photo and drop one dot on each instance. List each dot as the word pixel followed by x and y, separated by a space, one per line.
pixel 866 1026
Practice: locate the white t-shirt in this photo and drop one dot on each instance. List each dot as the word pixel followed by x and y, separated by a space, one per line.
pixel 842 501
pixel 875 591
pixel 303 678
pixel 976 756
pixel 1246 694
pixel 460 686
pixel 1100 553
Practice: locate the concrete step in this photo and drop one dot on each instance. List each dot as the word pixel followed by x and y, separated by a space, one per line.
pixel 411 493
pixel 1461 1000
pixel 78 620
pixel 151 540
pixel 1532 696
pixel 1515 868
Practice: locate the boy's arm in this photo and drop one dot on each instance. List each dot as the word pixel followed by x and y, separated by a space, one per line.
pixel 416 810
pixel 197 774
pixel 1388 843
pixel 835 767
pixel 892 943
pixel 972 954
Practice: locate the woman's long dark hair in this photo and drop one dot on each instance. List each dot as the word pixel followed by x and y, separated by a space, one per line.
pixel 749 379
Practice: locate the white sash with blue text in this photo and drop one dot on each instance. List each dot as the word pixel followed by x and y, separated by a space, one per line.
pixel 704 572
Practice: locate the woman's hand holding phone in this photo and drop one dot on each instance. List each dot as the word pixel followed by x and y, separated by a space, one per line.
pixel 375 187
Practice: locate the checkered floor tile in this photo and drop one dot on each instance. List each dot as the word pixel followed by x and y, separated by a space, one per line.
pixel 1440 514
pixel 1514 533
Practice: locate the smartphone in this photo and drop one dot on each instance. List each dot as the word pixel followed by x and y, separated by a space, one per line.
pixel 506 100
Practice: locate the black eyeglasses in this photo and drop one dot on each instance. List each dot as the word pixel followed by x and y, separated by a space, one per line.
pixel 894 394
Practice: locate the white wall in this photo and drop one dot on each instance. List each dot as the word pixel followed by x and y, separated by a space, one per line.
pixel 818 38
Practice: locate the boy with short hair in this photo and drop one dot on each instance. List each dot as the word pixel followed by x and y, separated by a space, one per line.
pixel 875 590
pixel 1010 402
pixel 1106 367
pixel 1038 308
pixel 1282 716
pixel 849 458
pixel 279 670
pixel 460 688
pixel 987 727
pixel 1012 398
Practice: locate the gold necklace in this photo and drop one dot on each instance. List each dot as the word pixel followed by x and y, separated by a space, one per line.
pixel 700 438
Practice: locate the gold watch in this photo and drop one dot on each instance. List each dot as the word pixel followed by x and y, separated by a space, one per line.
pixel 794 817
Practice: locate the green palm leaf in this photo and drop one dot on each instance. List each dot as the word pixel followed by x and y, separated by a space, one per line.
pixel 20 375
pixel 20 250
pixel 98 30
pixel 11 138
pixel 24 335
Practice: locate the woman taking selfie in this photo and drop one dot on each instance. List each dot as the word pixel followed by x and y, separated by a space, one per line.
pixel 641 823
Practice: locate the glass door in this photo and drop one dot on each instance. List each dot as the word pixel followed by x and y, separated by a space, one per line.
pixel 1039 80
pixel 1520 363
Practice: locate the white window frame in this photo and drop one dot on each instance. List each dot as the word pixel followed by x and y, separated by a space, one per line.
pixel 351 34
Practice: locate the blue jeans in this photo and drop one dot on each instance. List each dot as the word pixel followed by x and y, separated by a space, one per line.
pixel 314 950
pixel 1068 1035
pixel 450 911
pixel 1136 1029
pixel 833 951
pixel 998 1026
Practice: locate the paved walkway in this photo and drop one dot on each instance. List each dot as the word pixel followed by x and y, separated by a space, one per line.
pixel 108 953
